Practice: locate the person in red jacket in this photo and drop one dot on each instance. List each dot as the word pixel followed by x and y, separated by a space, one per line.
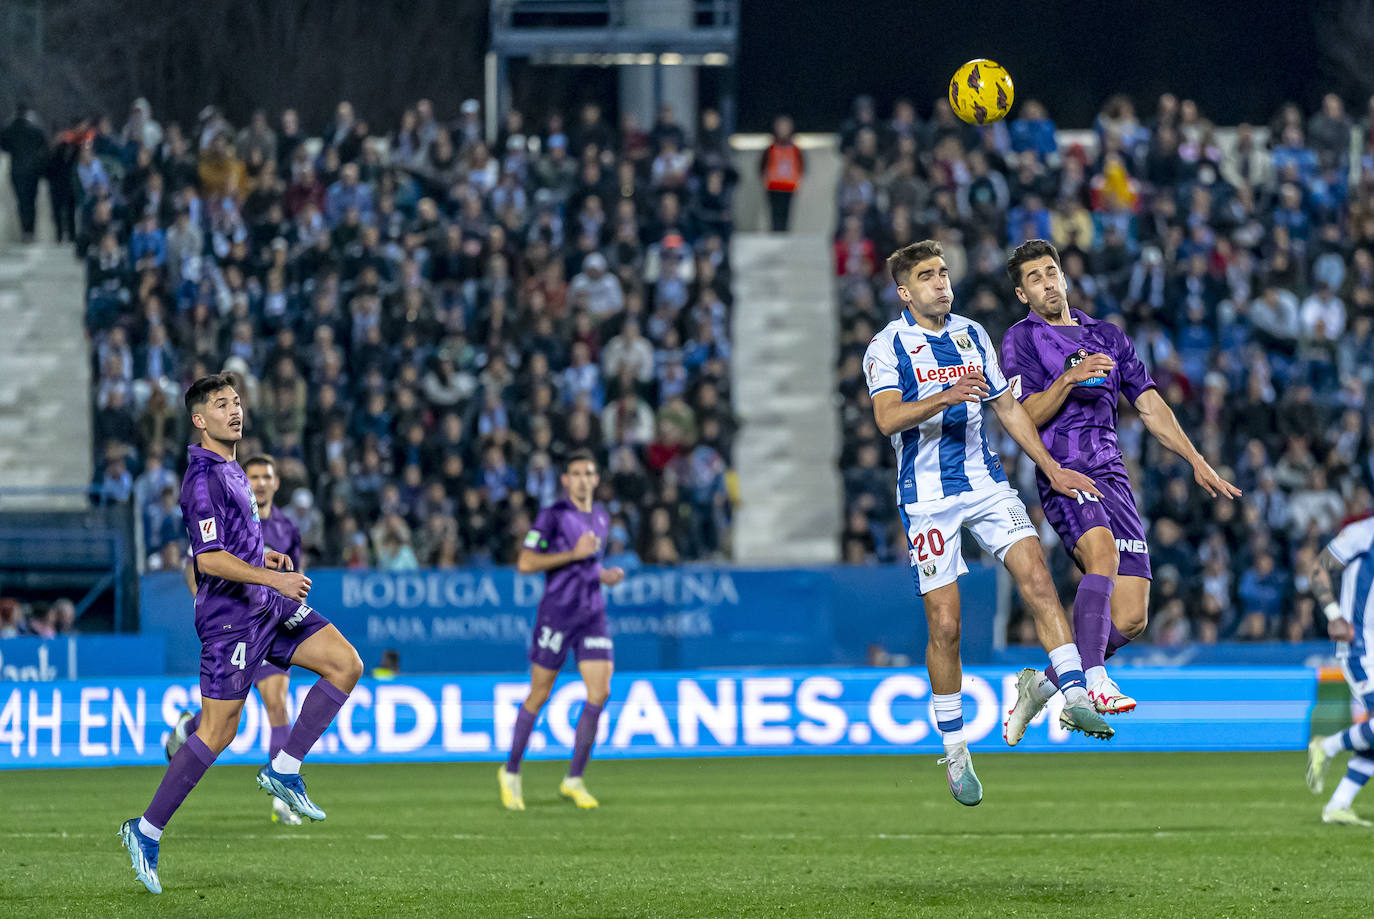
pixel 781 167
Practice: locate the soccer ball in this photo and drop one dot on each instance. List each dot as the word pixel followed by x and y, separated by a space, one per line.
pixel 981 92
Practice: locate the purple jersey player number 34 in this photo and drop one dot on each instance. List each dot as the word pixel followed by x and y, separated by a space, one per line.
pixel 572 613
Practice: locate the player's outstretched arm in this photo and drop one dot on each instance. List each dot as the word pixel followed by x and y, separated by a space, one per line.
pixel 1022 429
pixel 532 562
pixel 222 564
pixel 893 416
pixel 1160 421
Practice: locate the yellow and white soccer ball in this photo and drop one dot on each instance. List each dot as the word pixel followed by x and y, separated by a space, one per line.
pixel 981 92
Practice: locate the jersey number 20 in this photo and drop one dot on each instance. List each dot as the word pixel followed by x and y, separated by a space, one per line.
pixel 934 539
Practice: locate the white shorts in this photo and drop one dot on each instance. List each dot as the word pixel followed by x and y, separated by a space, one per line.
pixel 996 517
pixel 1360 680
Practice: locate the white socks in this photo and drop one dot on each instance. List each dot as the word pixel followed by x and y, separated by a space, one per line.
pixel 949 715
pixel 153 833
pixel 286 764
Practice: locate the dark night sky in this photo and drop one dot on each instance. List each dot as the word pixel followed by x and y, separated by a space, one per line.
pixel 1240 61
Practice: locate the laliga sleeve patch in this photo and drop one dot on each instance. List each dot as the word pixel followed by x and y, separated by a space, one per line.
pixel 1015 384
pixel 208 531
pixel 532 539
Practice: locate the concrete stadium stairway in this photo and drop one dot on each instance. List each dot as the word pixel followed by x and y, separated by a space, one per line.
pixel 783 378
pixel 45 379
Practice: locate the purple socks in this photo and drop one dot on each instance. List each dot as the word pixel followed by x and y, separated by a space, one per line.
pixel 321 704
pixel 278 739
pixel 1115 642
pixel 583 740
pixel 183 772
pixel 524 723
pixel 1092 619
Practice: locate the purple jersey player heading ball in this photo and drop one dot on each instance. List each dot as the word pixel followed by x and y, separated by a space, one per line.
pixel 250 607
pixel 1069 371
pixel 565 544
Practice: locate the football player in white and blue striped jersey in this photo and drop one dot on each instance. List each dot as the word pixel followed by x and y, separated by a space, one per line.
pixel 929 374
pixel 1351 622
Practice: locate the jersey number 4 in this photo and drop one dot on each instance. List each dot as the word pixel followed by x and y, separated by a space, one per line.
pixel 240 655
pixel 934 539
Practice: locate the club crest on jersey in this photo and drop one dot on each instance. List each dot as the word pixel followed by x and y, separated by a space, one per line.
pixel 963 342
pixel 928 570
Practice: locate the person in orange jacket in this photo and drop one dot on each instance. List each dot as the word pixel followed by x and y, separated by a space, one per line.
pixel 781 167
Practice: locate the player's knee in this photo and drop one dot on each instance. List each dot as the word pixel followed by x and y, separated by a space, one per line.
pixel 1133 623
pixel 599 695
pixel 217 736
pixel 351 667
pixel 944 631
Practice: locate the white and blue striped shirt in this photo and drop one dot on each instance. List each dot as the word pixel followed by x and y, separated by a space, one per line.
pixel 1354 548
pixel 948 453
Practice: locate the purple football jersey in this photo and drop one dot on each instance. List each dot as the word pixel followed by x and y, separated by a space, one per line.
pixel 1082 435
pixel 573 591
pixel 220 513
pixel 280 535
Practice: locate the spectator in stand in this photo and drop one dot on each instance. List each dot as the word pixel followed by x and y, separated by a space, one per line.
pixel 781 167
pixel 27 146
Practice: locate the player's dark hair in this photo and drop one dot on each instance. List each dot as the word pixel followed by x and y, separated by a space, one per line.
pixel 578 456
pixel 1029 251
pixel 260 459
pixel 201 389
pixel 906 258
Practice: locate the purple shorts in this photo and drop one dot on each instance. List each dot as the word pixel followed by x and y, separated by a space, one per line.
pixel 1116 511
pixel 266 670
pixel 589 640
pixel 230 660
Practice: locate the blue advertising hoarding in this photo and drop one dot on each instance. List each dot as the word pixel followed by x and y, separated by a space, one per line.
pixel 723 712
pixel 479 620
pixel 71 657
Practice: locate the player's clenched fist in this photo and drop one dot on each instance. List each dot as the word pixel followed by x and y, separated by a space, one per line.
pixel 1090 368
pixel 588 544
pixel 971 387
pixel 293 585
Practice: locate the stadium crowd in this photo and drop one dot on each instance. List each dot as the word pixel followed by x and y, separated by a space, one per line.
pixel 1240 262
pixel 422 324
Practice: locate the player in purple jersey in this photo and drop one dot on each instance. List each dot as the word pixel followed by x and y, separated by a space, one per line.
pixel 565 544
pixel 932 375
pixel 1069 371
pixel 250 607
pixel 279 534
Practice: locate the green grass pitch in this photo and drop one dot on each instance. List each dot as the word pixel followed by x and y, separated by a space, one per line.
pixel 1180 836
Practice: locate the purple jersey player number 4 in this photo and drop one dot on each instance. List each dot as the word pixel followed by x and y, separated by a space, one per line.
pixel 565 545
pixel 1069 371
pixel 250 607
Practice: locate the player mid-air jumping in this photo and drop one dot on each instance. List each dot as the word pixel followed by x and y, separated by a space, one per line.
pixel 929 373
pixel 250 607
pixel 1068 371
